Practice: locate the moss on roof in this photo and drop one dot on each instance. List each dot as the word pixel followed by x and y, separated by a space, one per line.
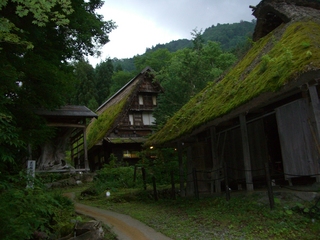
pixel 273 61
pixel 99 127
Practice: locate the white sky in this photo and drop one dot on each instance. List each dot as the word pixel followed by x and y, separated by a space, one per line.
pixel 145 23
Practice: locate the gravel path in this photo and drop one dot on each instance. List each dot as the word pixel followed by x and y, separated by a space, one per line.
pixel 124 226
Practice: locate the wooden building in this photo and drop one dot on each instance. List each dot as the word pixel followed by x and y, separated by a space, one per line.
pixel 125 120
pixel 70 124
pixel 264 112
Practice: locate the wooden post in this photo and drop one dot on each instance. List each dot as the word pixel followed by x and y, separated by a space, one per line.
pixel 226 180
pixel 134 175
pixel 155 193
pixel 86 162
pixel 246 152
pixel 144 178
pixel 215 174
pixel 173 188
pixel 270 190
pixel 315 106
pixel 195 183
pixel 181 171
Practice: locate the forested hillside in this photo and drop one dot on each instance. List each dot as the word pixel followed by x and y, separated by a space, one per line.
pixel 228 35
pixel 232 37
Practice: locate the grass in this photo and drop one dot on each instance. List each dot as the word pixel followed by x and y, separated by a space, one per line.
pixel 245 216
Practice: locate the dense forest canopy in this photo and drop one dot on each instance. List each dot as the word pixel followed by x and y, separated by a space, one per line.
pixel 38 39
pixel 41 44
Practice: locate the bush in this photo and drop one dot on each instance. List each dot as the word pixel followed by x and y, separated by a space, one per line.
pixel 25 211
pixel 161 166
pixel 110 178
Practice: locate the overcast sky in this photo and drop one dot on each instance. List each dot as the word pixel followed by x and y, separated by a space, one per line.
pixel 145 23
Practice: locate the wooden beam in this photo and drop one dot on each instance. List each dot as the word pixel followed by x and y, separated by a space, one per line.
pixel 86 163
pixel 181 168
pixel 246 152
pixel 66 125
pixel 215 162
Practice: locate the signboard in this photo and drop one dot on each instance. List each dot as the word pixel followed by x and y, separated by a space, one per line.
pixel 31 169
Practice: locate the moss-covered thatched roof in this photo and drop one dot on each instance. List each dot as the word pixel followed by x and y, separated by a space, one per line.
pixel 110 112
pixel 98 128
pixel 274 61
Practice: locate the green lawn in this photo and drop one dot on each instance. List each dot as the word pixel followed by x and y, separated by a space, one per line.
pixel 245 216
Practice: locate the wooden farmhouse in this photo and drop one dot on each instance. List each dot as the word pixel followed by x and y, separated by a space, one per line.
pixel 263 113
pixel 124 121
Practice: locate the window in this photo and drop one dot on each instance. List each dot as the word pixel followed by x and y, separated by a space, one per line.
pixel 135 119
pixel 154 100
pixel 131 119
pixel 140 100
pixel 130 154
pixel 148 119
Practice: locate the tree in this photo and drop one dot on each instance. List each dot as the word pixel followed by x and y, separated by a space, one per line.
pixel 85 87
pixel 42 12
pixel 155 59
pixel 188 72
pixel 103 75
pixel 119 79
pixel 38 39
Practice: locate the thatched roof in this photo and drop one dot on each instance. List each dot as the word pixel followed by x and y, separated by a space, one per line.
pixel 277 63
pixel 111 111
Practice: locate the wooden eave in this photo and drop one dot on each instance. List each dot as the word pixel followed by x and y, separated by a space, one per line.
pixel 67 116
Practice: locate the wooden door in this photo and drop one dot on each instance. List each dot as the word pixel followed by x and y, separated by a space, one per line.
pixel 298 145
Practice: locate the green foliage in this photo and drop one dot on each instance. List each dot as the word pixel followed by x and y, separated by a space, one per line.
pixel 8 139
pixel 188 72
pixel 113 177
pixel 85 86
pixel 38 39
pixel 124 64
pixel 119 79
pixel 157 60
pixel 103 75
pixel 25 211
pixel 42 13
pixel 159 163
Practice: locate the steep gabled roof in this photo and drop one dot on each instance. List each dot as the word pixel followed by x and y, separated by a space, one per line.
pixel 277 63
pixel 112 110
pixel 128 86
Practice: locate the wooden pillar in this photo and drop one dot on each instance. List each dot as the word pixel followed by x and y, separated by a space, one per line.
pixel 86 163
pixel 315 107
pixel 181 171
pixel 189 177
pixel 246 152
pixel 215 162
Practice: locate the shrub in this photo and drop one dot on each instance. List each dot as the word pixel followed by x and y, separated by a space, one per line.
pixel 111 178
pixel 25 211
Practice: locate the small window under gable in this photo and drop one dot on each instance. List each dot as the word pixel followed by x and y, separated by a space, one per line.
pixel 154 100
pixel 140 100
pixel 131 119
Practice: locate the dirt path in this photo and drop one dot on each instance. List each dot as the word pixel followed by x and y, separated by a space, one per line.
pixel 124 226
